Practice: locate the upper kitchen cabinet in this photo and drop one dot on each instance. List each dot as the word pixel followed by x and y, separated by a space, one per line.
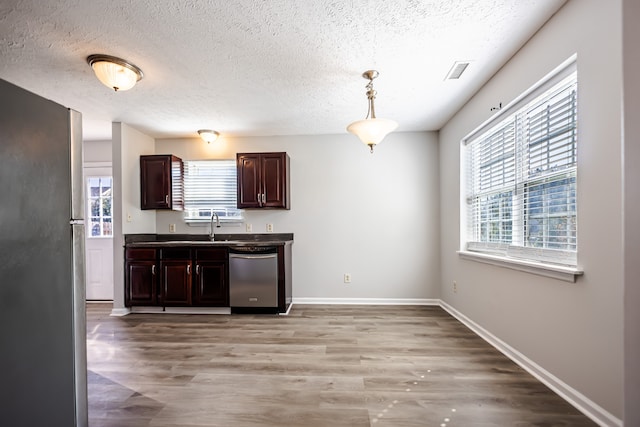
pixel 161 182
pixel 263 180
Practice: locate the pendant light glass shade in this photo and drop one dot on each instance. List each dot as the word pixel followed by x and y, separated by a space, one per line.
pixel 115 73
pixel 371 130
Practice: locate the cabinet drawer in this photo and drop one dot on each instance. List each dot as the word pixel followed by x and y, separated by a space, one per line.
pixel 140 253
pixel 218 254
pixel 175 253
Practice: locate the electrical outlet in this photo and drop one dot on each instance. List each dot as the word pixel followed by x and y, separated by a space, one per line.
pixel 269 228
pixel 129 217
pixel 248 228
pixel 455 287
pixel 347 278
pixel 172 228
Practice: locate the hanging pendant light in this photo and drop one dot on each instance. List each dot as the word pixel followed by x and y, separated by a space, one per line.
pixel 115 73
pixel 371 130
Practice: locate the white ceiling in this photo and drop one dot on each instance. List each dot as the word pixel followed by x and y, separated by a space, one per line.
pixel 262 67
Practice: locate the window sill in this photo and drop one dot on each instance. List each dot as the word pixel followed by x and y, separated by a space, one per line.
pixel 567 274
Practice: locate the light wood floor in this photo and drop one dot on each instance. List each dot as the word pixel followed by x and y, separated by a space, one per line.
pixel 323 366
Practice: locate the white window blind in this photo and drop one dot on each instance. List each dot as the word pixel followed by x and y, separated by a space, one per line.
pixel 210 186
pixel 520 176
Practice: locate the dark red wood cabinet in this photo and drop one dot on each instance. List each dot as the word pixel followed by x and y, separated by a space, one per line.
pixel 210 287
pixel 161 182
pixel 176 277
pixel 140 277
pixel 263 180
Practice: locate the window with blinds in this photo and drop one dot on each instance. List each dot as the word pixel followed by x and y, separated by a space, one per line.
pixel 520 176
pixel 210 186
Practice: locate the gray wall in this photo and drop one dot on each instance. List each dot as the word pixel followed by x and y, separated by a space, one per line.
pixel 374 216
pixel 572 331
pixel 97 151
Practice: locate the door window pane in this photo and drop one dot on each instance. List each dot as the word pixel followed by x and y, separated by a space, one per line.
pixel 99 205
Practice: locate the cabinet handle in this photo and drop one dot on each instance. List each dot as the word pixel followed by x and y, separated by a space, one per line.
pixel 197 268
pixel 166 199
pixel 153 269
pixel 264 198
pixel 189 269
pixel 259 200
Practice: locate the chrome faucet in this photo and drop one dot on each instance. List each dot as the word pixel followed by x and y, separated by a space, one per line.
pixel 214 215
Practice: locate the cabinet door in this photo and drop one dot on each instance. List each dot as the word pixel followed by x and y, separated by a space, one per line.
pixel 263 180
pixel 210 286
pixel 249 187
pixel 161 184
pixel 155 182
pixel 140 283
pixel 176 282
pixel 274 176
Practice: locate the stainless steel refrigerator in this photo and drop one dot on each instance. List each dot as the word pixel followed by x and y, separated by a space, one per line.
pixel 42 292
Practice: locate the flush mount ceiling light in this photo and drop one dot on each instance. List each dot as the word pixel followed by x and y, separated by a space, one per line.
pixel 115 73
pixel 371 130
pixel 208 135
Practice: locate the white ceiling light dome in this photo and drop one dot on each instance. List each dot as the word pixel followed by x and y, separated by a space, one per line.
pixel 115 73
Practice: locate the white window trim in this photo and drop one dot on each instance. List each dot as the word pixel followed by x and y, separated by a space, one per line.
pixel 556 271
pixel 567 274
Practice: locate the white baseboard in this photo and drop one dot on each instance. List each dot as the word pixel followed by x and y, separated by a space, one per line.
pixel 119 312
pixel 578 400
pixel 368 301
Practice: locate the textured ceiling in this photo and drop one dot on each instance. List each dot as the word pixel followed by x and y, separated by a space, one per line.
pixel 262 67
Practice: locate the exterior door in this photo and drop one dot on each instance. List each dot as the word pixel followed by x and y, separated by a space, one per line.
pixel 99 233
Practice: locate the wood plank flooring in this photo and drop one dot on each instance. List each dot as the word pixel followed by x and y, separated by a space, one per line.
pixel 321 366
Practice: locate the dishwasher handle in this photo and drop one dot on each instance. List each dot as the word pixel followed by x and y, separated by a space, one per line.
pixel 269 256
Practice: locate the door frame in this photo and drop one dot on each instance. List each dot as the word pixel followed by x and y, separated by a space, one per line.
pixel 87 169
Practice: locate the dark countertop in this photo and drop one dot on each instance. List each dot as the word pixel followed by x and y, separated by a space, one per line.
pixel 240 239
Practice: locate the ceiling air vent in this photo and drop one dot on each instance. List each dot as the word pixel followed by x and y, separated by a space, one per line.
pixel 457 70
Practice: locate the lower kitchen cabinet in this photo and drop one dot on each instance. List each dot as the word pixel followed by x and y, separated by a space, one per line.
pixel 176 277
pixel 210 282
pixel 176 282
pixel 140 277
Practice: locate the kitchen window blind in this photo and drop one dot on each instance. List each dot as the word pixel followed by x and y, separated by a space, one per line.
pixel 520 176
pixel 210 186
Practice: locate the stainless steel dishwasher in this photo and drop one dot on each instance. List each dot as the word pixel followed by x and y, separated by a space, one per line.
pixel 253 277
